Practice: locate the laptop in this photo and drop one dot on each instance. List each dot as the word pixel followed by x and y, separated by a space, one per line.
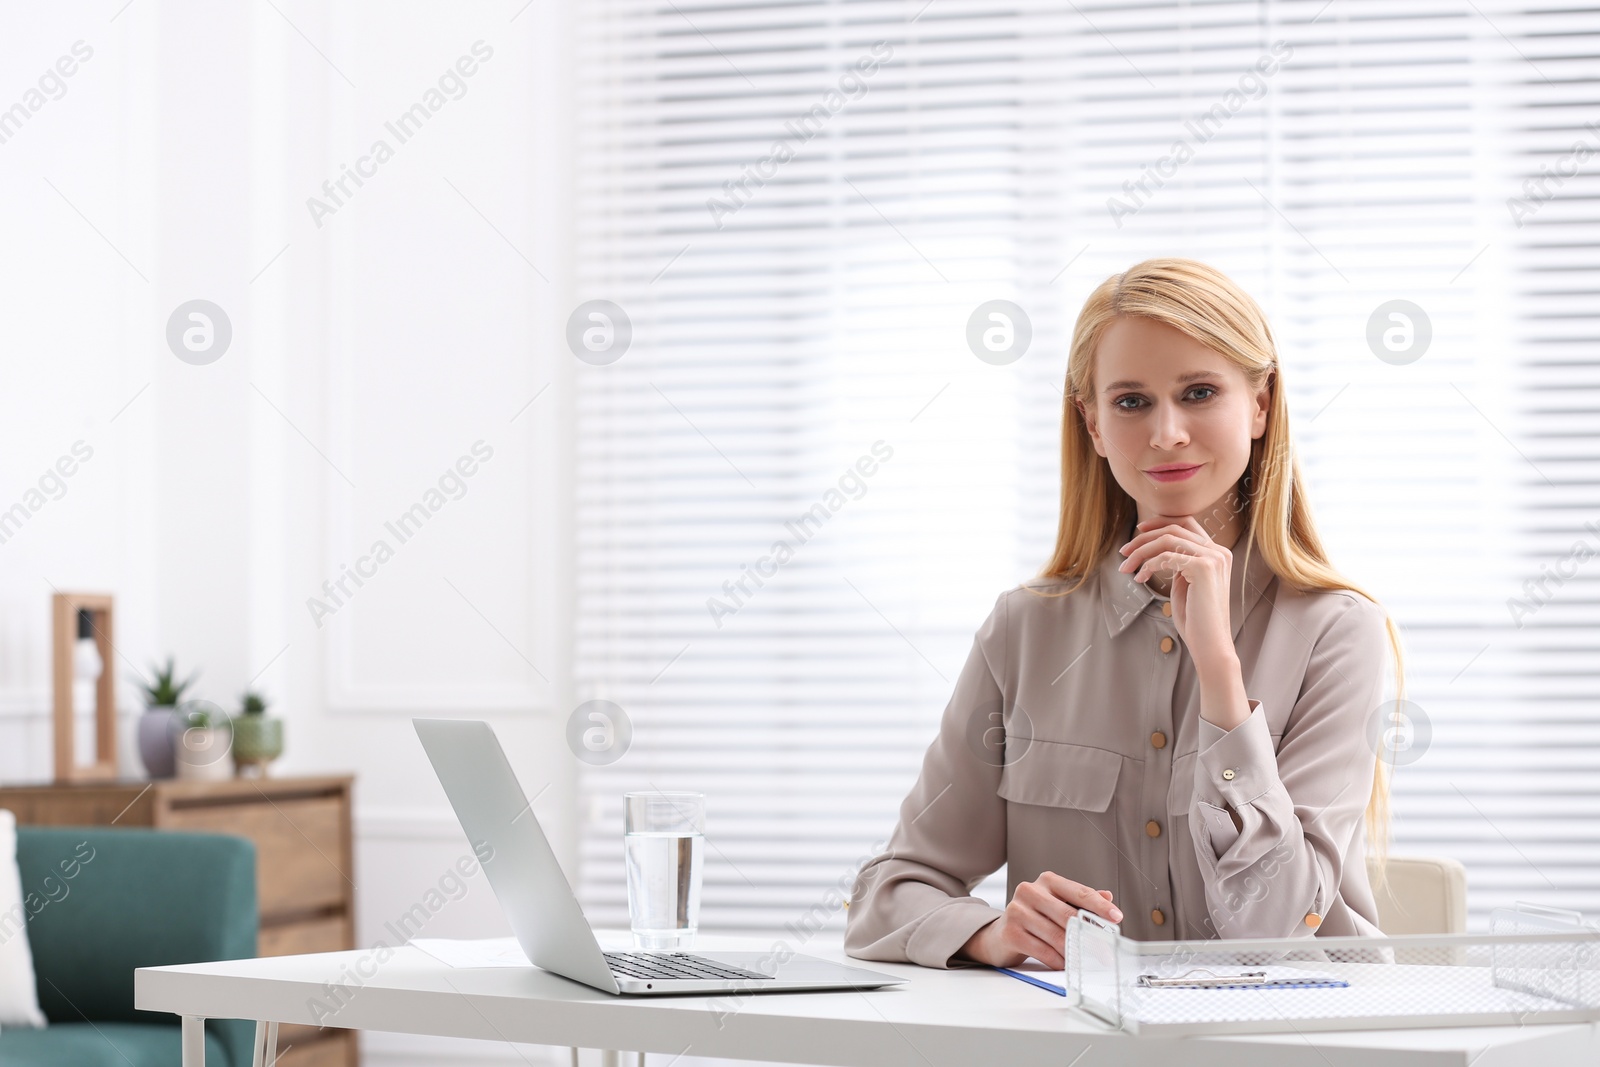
pixel 544 912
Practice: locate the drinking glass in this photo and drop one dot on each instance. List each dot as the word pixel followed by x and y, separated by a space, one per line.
pixel 665 847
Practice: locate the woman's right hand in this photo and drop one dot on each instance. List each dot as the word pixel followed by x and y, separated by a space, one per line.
pixel 1035 922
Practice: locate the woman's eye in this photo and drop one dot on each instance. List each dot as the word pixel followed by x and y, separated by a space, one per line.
pixel 1209 390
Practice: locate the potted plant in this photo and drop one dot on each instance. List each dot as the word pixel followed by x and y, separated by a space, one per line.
pixel 257 737
pixel 160 724
pixel 202 749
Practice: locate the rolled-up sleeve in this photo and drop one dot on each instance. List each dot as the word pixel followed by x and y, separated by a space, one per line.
pixel 913 903
pixel 1273 830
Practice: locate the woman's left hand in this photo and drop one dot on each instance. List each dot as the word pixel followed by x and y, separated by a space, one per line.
pixel 1201 573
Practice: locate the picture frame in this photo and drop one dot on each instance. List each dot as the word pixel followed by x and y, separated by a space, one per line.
pixel 65 608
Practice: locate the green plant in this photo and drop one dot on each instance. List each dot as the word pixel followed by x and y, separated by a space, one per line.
pixel 165 690
pixel 253 702
pixel 198 717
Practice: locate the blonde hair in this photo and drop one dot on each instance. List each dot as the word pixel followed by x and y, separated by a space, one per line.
pixel 1096 513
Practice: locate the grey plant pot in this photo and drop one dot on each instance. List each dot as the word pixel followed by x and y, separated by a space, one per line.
pixel 159 728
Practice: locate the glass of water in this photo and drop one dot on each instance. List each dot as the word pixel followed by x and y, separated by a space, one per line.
pixel 665 846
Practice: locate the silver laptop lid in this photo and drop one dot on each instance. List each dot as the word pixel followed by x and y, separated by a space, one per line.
pixel 527 879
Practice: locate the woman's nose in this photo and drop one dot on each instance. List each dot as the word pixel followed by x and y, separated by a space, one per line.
pixel 1169 428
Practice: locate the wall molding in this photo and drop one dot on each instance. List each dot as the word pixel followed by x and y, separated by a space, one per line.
pixel 32 702
pixel 393 822
pixel 31 705
pixel 345 691
pixel 346 698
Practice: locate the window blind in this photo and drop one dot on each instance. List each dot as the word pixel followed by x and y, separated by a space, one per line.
pixel 802 211
pixel 1514 791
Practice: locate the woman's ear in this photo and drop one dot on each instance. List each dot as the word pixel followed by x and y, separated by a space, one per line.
pixel 1258 420
pixel 1088 417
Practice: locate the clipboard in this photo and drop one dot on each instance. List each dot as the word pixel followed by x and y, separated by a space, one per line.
pixel 1205 978
pixel 1056 981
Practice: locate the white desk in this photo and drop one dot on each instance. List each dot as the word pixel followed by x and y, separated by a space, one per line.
pixel 939 1018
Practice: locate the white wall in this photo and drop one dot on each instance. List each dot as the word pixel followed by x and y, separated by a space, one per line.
pixel 369 353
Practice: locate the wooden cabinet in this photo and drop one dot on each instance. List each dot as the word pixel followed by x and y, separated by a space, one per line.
pixel 301 829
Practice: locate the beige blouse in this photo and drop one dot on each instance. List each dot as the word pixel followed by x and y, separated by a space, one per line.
pixel 1073 743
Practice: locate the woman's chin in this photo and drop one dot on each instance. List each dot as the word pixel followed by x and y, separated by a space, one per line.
pixel 1174 500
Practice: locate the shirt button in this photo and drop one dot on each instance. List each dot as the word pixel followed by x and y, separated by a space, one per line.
pixel 1166 644
pixel 1166 608
pixel 1158 739
pixel 1313 920
pixel 1228 774
pixel 1158 917
pixel 1152 829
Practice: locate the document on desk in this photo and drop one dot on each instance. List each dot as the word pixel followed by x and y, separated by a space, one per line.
pixel 1053 981
pixel 489 952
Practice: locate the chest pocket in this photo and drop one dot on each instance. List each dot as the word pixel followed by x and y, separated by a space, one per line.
pixel 1180 790
pixel 1057 775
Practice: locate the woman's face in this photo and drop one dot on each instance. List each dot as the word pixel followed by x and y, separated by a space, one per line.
pixel 1164 399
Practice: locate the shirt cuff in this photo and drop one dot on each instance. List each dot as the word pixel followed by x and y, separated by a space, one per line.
pixel 1236 766
pixel 942 933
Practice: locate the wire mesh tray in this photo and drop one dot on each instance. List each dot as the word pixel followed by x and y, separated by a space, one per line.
pixel 1536 965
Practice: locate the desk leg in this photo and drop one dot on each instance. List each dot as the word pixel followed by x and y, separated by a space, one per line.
pixel 265 1046
pixel 194 1041
pixel 609 1058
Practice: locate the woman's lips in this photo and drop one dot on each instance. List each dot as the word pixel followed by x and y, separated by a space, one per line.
pixel 1174 475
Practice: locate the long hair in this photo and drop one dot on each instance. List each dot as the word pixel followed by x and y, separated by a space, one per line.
pixel 1096 513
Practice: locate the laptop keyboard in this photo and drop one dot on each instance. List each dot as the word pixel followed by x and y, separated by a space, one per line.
pixel 674 965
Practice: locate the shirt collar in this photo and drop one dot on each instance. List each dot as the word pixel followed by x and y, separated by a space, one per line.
pixel 1122 599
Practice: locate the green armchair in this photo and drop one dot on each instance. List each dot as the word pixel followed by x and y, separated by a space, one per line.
pixel 134 898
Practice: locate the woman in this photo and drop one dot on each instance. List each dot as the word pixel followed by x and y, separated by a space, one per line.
pixel 1174 726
